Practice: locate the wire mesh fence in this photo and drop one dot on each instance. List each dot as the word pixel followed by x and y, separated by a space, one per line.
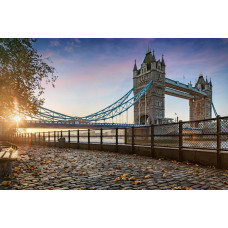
pixel 210 134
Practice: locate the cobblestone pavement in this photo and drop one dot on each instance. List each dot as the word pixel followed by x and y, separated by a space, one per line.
pixel 55 168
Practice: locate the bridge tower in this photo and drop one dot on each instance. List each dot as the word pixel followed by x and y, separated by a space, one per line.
pixel 151 107
pixel 201 108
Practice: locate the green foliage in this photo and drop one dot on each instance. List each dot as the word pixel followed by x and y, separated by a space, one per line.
pixel 22 71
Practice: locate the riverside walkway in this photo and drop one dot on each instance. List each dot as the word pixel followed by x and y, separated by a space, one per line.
pixel 54 168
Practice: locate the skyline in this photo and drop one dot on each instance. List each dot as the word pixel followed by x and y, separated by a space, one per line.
pixel 93 73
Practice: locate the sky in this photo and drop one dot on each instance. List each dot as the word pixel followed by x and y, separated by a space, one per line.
pixel 94 73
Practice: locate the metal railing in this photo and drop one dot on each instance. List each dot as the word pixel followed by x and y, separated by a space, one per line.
pixel 209 134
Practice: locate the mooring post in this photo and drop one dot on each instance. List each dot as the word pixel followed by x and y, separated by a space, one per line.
pixel 180 140
pixel 152 141
pixel 218 141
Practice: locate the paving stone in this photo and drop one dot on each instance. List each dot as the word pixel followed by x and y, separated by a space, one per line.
pixel 62 169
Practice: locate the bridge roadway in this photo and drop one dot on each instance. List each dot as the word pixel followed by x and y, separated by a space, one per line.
pixel 178 89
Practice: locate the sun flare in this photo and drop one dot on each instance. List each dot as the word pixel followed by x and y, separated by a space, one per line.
pixel 17 118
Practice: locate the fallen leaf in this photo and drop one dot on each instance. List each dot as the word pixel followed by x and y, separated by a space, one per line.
pixel 187 188
pixel 117 179
pixel 110 174
pixel 124 175
pixel 16 174
pixel 119 166
pixel 67 170
pixel 137 182
pixel 165 170
pixel 6 183
pixel 164 175
pixel 147 176
pixel 131 178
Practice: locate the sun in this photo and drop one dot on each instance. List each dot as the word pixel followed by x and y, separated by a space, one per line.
pixel 17 118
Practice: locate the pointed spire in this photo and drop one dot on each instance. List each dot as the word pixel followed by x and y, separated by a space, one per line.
pixel 206 79
pixel 163 61
pixel 153 53
pixel 210 82
pixel 135 67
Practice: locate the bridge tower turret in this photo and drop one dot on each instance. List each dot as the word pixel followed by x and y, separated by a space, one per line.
pixel 201 108
pixel 151 107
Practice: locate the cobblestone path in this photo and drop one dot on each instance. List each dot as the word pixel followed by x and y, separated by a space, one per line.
pixel 55 168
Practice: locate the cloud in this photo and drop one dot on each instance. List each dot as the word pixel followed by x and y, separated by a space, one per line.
pixel 54 43
pixel 75 43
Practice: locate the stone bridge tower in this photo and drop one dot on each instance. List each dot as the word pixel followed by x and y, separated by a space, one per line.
pixel 151 107
pixel 201 108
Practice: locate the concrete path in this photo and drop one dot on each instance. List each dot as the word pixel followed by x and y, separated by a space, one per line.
pixel 54 168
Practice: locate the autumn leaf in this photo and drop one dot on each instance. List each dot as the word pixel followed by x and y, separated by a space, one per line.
pixel 92 188
pixel 110 174
pixel 67 170
pixel 119 166
pixel 187 188
pixel 141 163
pixel 131 178
pixel 124 175
pixel 165 170
pixel 137 182
pixel 196 170
pixel 176 188
pixel 81 173
pixel 6 183
pixel 147 176
pixel 164 175
pixel 65 179
pixel 16 175
pixel 36 174
pixel 196 165
pixel 117 179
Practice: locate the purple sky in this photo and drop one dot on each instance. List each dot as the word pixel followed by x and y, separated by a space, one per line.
pixel 93 73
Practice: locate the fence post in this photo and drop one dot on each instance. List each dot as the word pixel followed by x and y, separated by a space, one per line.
pixel 88 138
pixel 78 138
pixel 43 138
pixel 218 142
pixel 49 138
pixel 101 136
pixel 133 140
pixel 152 140
pixel 180 140
pixel 31 138
pixel 54 138
pixel 116 139
pixel 35 137
pixel 68 136
pixel 125 135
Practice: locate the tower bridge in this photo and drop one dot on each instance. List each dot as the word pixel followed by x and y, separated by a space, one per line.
pixel 150 85
pixel 151 108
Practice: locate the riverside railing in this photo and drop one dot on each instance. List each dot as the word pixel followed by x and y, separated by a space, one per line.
pixel 209 134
